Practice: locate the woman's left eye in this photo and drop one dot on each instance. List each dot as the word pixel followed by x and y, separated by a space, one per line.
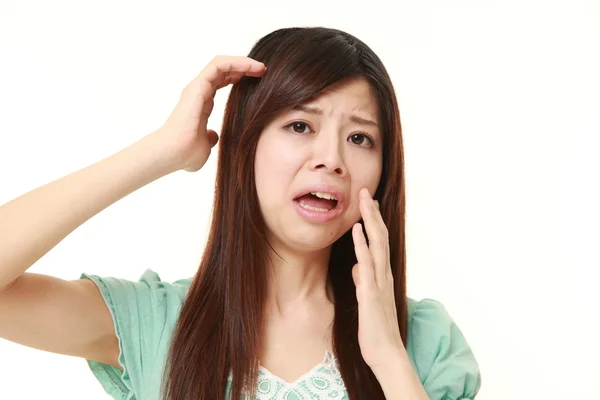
pixel 361 139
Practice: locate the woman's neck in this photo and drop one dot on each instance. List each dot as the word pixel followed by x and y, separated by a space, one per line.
pixel 297 280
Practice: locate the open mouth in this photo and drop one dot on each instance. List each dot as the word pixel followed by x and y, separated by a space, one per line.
pixel 317 201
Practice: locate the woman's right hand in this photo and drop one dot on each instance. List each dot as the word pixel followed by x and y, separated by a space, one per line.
pixel 185 133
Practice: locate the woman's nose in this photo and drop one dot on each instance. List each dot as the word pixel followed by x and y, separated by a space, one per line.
pixel 327 154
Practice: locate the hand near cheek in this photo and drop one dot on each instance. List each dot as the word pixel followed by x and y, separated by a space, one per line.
pixel 378 332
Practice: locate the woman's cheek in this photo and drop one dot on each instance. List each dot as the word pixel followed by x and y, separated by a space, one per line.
pixel 354 211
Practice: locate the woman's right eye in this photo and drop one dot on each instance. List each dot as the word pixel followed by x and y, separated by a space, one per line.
pixel 298 127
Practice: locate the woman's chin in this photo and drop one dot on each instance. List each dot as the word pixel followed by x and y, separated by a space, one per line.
pixel 299 237
pixel 312 242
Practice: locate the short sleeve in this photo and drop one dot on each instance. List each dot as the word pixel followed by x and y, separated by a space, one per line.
pixel 144 314
pixel 440 353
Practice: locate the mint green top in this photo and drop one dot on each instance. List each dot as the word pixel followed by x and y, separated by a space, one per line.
pixel 145 314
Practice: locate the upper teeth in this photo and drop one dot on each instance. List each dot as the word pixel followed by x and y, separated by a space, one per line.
pixel 327 196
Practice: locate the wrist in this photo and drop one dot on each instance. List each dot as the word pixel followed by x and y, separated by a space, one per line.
pixel 398 378
pixel 397 360
pixel 163 159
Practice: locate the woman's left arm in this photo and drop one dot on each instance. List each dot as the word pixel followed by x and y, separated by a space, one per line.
pixel 399 380
pixel 444 365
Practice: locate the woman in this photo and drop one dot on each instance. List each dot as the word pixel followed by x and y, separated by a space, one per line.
pixel 311 151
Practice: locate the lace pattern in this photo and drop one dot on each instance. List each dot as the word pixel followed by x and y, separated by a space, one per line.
pixel 324 381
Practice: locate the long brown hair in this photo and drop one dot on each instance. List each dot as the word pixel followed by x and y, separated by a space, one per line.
pixel 219 327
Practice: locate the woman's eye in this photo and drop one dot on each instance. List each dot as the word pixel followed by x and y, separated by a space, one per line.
pixel 361 139
pixel 298 127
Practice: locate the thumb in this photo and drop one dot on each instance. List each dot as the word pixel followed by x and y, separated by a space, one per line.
pixel 356 275
pixel 213 138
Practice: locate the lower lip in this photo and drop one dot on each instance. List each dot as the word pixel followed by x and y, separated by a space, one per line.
pixel 317 216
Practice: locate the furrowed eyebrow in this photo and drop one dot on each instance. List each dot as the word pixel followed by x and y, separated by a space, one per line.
pixel 318 111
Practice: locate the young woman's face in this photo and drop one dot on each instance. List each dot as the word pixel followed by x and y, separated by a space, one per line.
pixel 311 163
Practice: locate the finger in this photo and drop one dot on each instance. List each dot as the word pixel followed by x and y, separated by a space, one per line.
pixel 363 256
pixel 213 138
pixel 229 78
pixel 384 230
pixel 382 225
pixel 378 216
pixel 357 282
pixel 221 67
pixel 356 274
pixel 208 90
pixel 377 242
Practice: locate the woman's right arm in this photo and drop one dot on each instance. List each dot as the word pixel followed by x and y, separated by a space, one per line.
pixel 32 224
pixel 70 317
pixel 48 313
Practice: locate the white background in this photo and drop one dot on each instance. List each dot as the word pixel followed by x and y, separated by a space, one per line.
pixel 499 104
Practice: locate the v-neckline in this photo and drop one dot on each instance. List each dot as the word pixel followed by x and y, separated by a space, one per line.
pixel 328 359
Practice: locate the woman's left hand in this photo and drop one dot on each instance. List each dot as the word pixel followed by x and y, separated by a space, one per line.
pixel 378 331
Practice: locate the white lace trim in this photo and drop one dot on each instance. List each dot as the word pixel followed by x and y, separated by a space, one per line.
pixel 323 381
